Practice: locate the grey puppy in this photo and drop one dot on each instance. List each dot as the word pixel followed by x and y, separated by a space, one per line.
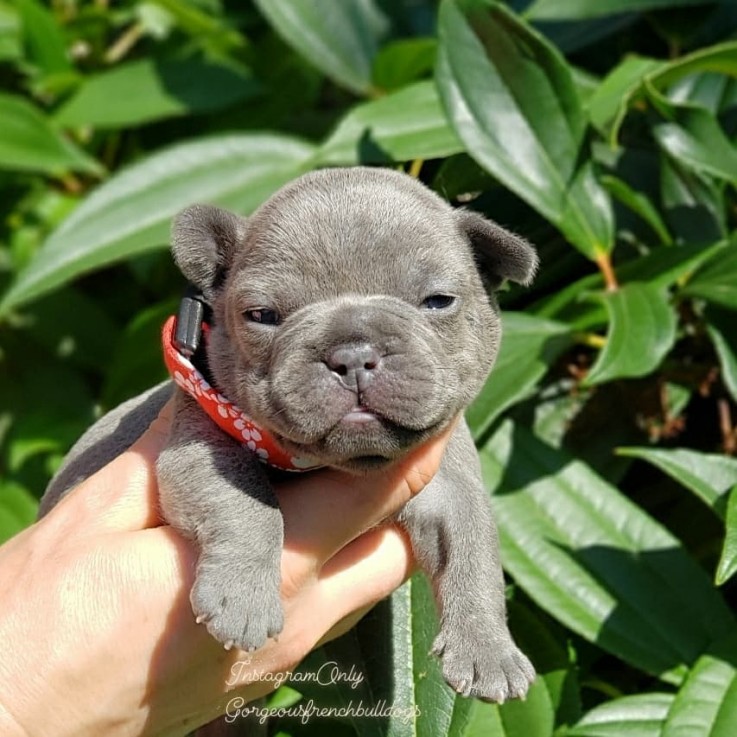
pixel 350 320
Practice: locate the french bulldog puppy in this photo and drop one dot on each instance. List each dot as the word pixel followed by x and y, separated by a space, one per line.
pixel 350 320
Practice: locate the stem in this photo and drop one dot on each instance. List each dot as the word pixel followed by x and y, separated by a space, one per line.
pixel 125 43
pixel 415 167
pixel 591 339
pixel 725 425
pixel 604 262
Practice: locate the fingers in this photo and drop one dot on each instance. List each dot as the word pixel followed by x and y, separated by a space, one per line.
pixel 123 495
pixel 366 571
pixel 326 510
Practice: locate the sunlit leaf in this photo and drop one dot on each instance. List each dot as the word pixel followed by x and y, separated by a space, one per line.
pixel 340 39
pixel 130 213
pixel 596 561
pixel 29 142
pixel 511 98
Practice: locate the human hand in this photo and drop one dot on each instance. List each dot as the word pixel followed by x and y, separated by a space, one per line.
pixel 95 620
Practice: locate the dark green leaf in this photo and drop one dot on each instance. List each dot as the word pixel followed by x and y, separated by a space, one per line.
pixel 716 280
pixel 578 9
pixel 706 705
pixel 145 90
pixel 511 98
pixel 596 561
pixel 408 124
pixel 728 560
pixel 726 348
pixel 340 39
pixel 709 475
pixel 693 204
pixel 642 715
pixel 721 58
pixel 642 329
pixel 691 135
pixel 136 360
pixel 207 28
pixel 529 346
pixel 43 37
pixel 29 143
pixel 639 204
pixel 130 213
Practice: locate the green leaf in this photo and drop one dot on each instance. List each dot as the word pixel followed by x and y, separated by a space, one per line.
pixel 29 143
pixel 691 135
pixel 130 213
pixel 529 346
pixel 145 90
pixel 408 124
pixel 10 45
pixel 209 29
pixel 694 205
pixel 706 705
pixel 642 715
pixel 44 41
pixel 726 348
pixel 709 475
pixel 512 100
pixel 605 104
pixel 578 9
pixel 640 204
pixel 716 280
pixel 136 363
pixel 340 39
pixel 642 331
pixel 595 561
pixel 661 268
pixel 728 560
pixel 401 62
pixel 721 58
pixel 18 509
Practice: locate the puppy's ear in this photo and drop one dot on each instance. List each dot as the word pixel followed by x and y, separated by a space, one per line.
pixel 499 253
pixel 204 240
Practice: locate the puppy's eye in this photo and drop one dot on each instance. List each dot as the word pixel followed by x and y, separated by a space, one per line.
pixel 263 316
pixel 438 301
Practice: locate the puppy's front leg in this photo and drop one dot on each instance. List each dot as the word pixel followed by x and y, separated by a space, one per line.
pixel 455 541
pixel 216 493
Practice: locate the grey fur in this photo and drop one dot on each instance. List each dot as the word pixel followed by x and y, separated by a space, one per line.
pixel 347 258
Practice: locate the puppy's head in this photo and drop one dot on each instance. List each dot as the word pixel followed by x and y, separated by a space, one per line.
pixel 350 317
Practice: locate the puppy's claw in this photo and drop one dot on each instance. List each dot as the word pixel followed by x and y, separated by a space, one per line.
pixel 228 644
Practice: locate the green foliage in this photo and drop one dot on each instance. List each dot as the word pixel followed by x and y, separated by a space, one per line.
pixel 602 130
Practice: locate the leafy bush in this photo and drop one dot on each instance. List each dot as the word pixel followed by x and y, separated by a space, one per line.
pixel 603 130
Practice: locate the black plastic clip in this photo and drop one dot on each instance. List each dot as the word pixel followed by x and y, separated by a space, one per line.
pixel 191 315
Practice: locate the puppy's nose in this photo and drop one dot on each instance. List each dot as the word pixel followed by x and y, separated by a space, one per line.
pixel 354 364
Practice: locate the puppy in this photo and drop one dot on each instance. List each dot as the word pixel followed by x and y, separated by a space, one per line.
pixel 350 321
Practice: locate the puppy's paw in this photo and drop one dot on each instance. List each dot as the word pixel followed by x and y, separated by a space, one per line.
pixel 488 670
pixel 237 608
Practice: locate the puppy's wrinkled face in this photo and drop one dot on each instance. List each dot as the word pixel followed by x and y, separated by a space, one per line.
pixel 349 315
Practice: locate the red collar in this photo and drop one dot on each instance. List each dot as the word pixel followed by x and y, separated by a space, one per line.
pixel 226 415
